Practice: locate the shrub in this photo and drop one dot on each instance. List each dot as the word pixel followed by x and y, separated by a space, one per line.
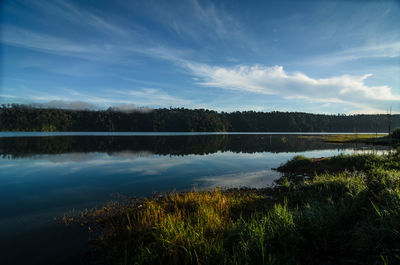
pixel 396 133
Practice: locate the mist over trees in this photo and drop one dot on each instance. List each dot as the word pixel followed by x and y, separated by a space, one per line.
pixel 26 118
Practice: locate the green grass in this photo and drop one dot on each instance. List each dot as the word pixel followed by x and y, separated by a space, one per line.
pixel 346 138
pixel 349 138
pixel 348 216
pixel 300 165
pixel 378 139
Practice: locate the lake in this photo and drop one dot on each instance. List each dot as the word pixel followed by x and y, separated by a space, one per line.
pixel 43 175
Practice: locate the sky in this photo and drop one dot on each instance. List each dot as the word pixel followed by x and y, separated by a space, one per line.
pixel 309 56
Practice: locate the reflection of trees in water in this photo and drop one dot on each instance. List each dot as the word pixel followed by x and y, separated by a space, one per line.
pixel 164 145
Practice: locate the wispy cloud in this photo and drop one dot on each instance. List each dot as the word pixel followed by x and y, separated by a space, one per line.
pixel 276 81
pixel 85 18
pixel 390 50
pixel 152 96
pixel 121 52
pixel 125 100
pixel 16 36
pixel 200 39
pixel 125 41
pixel 195 20
pixel 382 50
pixel 118 46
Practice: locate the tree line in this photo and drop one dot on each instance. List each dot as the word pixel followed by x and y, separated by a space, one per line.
pixel 21 147
pixel 26 118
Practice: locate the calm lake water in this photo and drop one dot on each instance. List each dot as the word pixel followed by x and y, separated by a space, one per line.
pixel 43 175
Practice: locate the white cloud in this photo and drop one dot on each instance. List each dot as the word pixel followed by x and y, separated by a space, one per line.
pixel 254 179
pixel 157 165
pixel 197 20
pixel 276 81
pixel 152 96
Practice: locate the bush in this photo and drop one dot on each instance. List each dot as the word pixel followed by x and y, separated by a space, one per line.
pixel 298 163
pixel 396 133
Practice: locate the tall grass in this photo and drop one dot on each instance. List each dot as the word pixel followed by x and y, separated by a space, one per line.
pixel 346 217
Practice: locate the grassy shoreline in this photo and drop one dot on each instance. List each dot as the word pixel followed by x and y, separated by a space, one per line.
pixel 374 139
pixel 351 138
pixel 338 210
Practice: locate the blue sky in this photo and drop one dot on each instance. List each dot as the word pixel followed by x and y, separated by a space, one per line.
pixel 311 56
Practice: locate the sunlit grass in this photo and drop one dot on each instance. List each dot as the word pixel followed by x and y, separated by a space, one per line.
pixel 344 138
pixel 348 138
pixel 349 216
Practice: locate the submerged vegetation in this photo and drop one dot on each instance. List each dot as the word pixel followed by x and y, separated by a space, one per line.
pixel 338 210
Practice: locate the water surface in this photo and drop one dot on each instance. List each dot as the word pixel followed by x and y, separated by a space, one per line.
pixel 43 175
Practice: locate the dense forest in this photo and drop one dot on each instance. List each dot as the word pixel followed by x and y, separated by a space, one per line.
pixel 20 147
pixel 26 118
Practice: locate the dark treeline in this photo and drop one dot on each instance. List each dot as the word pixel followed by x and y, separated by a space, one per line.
pixel 21 147
pixel 25 118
